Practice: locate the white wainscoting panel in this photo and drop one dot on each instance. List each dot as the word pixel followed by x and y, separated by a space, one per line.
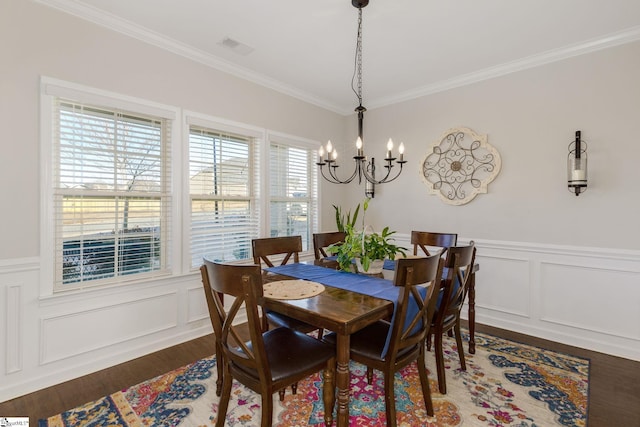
pixel 197 309
pixel 591 298
pixel 510 289
pixel 585 297
pixel 13 342
pixel 71 334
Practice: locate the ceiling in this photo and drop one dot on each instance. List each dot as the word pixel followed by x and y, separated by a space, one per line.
pixel 411 48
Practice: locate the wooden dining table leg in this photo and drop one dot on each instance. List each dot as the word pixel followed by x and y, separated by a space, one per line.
pixel 342 378
pixel 472 313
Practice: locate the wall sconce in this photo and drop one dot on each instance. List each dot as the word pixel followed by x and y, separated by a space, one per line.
pixel 577 166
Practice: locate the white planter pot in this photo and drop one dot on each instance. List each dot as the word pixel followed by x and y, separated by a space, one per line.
pixel 375 267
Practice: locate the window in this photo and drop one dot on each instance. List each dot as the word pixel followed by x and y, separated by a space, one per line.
pixel 292 190
pixel 111 200
pixel 223 190
pixel 131 194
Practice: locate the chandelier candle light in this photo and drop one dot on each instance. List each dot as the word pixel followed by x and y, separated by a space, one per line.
pixel 364 168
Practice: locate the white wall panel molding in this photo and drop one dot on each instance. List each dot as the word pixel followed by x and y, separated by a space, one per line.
pixel 14 328
pixel 71 334
pixel 510 292
pixel 574 293
pixel 18 265
pixel 565 288
pixel 52 374
pixel 197 305
pixel 547 291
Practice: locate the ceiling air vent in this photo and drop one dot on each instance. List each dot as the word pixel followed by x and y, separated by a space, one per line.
pixel 236 46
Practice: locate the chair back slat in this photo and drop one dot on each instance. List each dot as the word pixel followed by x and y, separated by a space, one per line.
pixel 455 285
pixel 287 246
pixel 410 273
pixel 244 284
pixel 426 239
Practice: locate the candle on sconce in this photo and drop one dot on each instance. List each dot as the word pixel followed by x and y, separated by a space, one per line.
pixel 389 148
pixel 401 151
pixel 329 149
pixel 320 153
pixel 578 175
pixel 359 147
pixel 335 154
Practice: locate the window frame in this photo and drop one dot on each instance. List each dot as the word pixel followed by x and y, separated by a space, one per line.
pixel 179 263
pixel 314 204
pixel 191 118
pixel 50 90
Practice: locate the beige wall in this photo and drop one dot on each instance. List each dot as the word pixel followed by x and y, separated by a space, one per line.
pixel 539 245
pixel 40 41
pixel 530 117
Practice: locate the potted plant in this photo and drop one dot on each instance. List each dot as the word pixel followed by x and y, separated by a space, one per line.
pixel 367 249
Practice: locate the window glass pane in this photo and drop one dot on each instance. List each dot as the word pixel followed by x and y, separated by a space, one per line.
pixel 221 231
pixel 218 165
pixel 224 214
pixel 106 150
pixel 291 192
pixel 111 189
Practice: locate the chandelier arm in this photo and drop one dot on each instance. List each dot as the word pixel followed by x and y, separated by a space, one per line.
pixel 328 178
pixel 385 179
pixel 333 177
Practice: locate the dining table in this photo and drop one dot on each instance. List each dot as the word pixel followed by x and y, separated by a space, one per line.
pixel 389 266
pixel 347 303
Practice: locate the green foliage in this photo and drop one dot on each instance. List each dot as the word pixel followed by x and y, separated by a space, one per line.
pixel 342 222
pixel 358 244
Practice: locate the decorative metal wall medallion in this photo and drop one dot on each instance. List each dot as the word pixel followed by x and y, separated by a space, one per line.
pixel 460 165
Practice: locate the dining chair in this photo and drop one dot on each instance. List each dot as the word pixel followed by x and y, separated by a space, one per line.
pixel 271 360
pixel 458 269
pixel 286 248
pixel 323 240
pixel 407 340
pixel 217 331
pixel 426 239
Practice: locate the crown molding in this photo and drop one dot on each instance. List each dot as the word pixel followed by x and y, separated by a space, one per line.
pixel 130 29
pixel 143 34
pixel 610 40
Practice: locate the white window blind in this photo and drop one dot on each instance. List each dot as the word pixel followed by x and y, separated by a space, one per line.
pixel 293 192
pixel 222 184
pixel 111 195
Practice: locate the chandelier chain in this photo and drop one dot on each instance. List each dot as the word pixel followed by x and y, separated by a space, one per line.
pixel 359 52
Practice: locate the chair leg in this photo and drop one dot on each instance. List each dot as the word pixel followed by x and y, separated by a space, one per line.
pixel 389 398
pixel 294 388
pixel 220 368
pixel 369 375
pixel 329 391
pixel 281 393
pixel 442 381
pixel 463 365
pixel 424 382
pixel 429 342
pixel 320 333
pixel 267 410
pixel 224 398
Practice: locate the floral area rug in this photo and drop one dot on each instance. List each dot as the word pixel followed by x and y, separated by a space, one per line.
pixel 505 384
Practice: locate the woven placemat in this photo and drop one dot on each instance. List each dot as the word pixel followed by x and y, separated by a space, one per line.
pixel 292 289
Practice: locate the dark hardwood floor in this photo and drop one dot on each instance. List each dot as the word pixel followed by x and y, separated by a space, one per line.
pixel 614 383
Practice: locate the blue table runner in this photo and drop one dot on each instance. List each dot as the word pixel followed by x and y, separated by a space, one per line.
pixel 372 286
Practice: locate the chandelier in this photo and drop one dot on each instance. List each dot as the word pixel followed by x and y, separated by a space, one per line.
pixel 364 168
